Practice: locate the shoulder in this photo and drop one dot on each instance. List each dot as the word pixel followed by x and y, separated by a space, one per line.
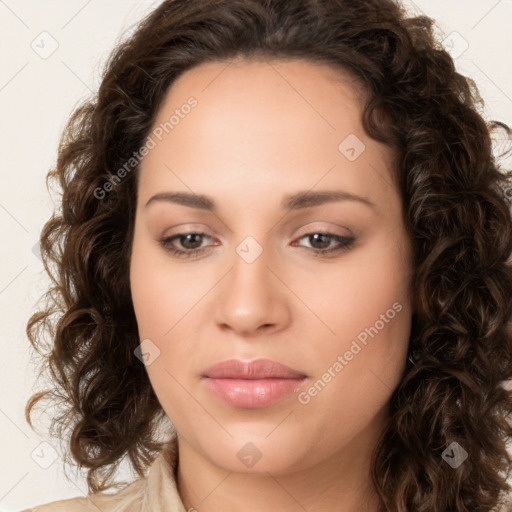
pixel 123 500
pixel 157 492
pixel 72 505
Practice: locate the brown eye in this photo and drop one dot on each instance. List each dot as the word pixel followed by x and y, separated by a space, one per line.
pixel 190 244
pixel 321 242
pixel 190 241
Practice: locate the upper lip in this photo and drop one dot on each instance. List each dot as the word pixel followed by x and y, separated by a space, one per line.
pixel 259 369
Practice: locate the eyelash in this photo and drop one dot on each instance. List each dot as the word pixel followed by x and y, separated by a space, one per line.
pixel 345 244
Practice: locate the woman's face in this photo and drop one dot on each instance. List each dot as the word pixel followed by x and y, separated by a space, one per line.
pixel 279 150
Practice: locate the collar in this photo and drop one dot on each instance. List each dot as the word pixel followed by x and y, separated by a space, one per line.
pixel 161 492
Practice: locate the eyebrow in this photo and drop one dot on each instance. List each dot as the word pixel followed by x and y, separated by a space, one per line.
pixel 296 201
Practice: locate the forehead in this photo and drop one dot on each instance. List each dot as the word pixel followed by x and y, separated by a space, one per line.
pixel 235 85
pixel 264 121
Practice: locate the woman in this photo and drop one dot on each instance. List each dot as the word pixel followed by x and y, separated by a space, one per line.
pixel 283 230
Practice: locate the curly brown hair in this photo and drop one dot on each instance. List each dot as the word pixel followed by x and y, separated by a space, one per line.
pixel 456 209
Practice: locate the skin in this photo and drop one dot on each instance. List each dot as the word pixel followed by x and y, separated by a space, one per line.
pixel 263 130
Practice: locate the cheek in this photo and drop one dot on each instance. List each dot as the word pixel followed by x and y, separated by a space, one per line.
pixel 162 294
pixel 365 303
pixel 147 285
pixel 164 298
pixel 159 303
pixel 364 290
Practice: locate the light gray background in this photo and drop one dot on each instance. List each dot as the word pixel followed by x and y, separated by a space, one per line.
pixel 37 96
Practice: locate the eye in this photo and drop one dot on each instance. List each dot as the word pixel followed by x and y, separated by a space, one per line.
pixel 321 243
pixel 190 241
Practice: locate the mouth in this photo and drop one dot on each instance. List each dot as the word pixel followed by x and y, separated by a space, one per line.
pixel 252 385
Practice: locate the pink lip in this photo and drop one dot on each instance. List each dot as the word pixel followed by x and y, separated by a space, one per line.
pixel 252 385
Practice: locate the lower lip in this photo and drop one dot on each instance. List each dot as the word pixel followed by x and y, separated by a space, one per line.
pixel 252 393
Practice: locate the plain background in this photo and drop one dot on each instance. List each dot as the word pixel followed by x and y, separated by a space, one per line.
pixel 37 94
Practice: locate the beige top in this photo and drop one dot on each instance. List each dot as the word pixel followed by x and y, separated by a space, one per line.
pixel 157 492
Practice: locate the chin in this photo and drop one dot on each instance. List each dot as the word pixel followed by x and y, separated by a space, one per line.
pixel 256 454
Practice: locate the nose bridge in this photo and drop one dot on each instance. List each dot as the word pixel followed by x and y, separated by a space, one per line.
pixel 251 296
pixel 250 280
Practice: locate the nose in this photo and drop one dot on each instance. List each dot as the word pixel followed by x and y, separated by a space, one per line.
pixel 252 298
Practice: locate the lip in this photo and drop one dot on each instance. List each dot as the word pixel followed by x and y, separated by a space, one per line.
pixel 252 384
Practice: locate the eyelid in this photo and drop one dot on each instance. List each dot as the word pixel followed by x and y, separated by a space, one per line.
pixel 313 227
pixel 186 228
